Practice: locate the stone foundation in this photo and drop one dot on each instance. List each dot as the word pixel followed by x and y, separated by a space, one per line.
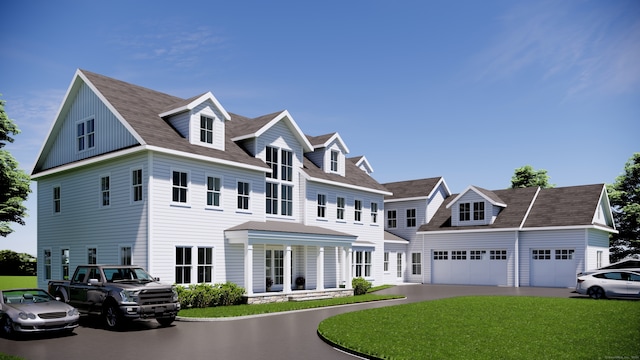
pixel 297 295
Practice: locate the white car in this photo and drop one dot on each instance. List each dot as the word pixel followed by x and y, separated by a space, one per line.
pixel 610 283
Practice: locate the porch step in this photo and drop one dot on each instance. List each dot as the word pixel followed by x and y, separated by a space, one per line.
pixel 309 296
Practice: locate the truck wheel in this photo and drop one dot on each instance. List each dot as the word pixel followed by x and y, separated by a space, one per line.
pixel 112 317
pixel 166 321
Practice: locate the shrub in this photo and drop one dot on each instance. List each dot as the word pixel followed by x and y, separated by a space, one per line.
pixel 360 286
pixel 207 295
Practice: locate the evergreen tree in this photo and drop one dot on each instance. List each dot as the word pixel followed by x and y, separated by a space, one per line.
pixel 526 176
pixel 624 196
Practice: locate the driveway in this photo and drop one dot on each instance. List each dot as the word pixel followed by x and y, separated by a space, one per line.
pixel 279 336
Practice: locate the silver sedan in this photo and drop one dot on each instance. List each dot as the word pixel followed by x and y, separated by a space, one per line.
pixel 34 310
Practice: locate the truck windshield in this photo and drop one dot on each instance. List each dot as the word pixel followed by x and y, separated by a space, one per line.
pixel 126 274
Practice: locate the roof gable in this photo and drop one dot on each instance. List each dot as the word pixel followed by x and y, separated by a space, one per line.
pixel 260 125
pixel 488 195
pixel 192 103
pixel 362 163
pixel 415 189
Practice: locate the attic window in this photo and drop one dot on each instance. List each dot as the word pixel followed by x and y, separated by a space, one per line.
pixel 478 211
pixel 206 129
pixel 334 161
pixel 85 133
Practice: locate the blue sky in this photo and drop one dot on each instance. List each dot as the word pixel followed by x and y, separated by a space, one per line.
pixel 468 90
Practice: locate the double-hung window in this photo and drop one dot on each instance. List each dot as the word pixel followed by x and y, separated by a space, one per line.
pixel 322 205
pixel 287 200
pixel 340 208
pixel 357 206
pixel 272 162
pixel 465 212
pixel 206 129
pixel 243 195
pixel 125 255
pixel 362 263
pixel 183 265
pixel 85 134
pixel 287 165
pixel 392 219
pixel 478 211
pixel 386 261
pixel 180 186
pixel 205 264
pixel 92 255
pixel 64 263
pixel 374 212
pixel 47 264
pixel 279 191
pixel 56 199
pixel 105 191
pixel 411 218
pixel 334 161
pixel 416 263
pixel 136 185
pixel 213 191
pixel 272 198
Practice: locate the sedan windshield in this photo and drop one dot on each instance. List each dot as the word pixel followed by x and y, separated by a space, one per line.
pixel 26 296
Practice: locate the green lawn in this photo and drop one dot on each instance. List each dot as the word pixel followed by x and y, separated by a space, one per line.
pixel 10 282
pixel 492 327
pixel 244 310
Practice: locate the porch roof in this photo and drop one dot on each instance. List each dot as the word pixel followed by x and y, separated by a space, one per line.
pixel 286 233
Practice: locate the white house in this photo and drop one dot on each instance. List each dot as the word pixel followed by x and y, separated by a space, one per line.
pixel 196 194
pixel 513 237
pixel 199 195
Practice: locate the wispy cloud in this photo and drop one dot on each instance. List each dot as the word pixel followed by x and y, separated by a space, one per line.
pixel 593 47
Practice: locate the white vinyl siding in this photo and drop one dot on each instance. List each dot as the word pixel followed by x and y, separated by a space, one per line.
pixel 469 199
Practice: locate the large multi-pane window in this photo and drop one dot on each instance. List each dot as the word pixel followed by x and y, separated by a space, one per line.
pixel 357 210
pixel 206 129
pixel 85 134
pixel 272 161
pixel 287 200
pixel 392 219
pixel 465 211
pixel 47 264
pixel 213 191
pixel 416 263
pixel 205 264
pixel 287 165
pixel 362 263
pixel 92 255
pixel 478 211
pixel 180 186
pixel 272 198
pixel 64 263
pixel 322 205
pixel 340 208
pixel 183 265
pixel 56 199
pixel 136 185
pixel 411 218
pixel 125 255
pixel 243 195
pixel 105 191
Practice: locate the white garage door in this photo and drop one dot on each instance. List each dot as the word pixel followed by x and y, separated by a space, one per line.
pixel 469 267
pixel 553 267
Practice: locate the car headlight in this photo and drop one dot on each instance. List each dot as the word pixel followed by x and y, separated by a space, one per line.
pixel 174 297
pixel 73 312
pixel 24 316
pixel 129 295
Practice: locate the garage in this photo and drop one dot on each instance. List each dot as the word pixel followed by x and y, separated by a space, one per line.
pixel 553 267
pixel 469 267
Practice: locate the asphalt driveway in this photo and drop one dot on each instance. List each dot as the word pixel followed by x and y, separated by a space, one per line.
pixel 278 336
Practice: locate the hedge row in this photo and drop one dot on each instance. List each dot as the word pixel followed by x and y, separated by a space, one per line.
pixel 207 295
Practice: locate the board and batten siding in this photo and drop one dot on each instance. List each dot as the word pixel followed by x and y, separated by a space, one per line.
pixel 84 223
pixel 194 224
pixel 552 240
pixel 503 240
pixel 110 134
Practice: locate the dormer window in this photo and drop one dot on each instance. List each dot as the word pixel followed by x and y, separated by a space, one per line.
pixel 465 211
pixel 85 133
pixel 478 211
pixel 206 129
pixel 334 161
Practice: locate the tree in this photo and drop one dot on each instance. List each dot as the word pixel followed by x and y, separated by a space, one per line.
pixel 624 196
pixel 14 264
pixel 527 177
pixel 14 182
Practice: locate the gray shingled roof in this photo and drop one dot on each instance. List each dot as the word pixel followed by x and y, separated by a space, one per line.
pixel 411 188
pixel 565 206
pixel 353 175
pixel 320 139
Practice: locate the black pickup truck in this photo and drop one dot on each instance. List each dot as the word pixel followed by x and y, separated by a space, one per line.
pixel 118 293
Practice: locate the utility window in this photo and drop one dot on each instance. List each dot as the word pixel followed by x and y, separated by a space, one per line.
pixel 392 219
pixel 322 205
pixel 243 195
pixel 205 265
pixel 183 265
pixel 105 191
pixel 213 191
pixel 411 218
pixel 180 186
pixel 206 129
pixel 340 208
pixel 85 135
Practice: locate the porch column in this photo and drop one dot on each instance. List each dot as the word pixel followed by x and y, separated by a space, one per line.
pixel 320 269
pixel 286 282
pixel 349 267
pixel 248 269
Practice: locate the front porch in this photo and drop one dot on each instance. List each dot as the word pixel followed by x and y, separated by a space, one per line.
pixel 297 295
